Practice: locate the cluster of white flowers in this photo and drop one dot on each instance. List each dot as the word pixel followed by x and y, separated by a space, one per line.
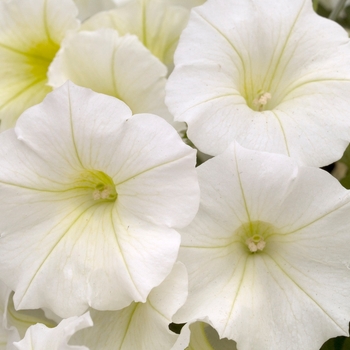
pixel 109 233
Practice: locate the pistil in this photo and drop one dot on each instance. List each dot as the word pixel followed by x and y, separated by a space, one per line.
pixel 261 100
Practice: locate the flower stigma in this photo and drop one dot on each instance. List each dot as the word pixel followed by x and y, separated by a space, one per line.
pixel 104 192
pixel 254 235
pixel 261 100
pixel 255 243
pixel 101 184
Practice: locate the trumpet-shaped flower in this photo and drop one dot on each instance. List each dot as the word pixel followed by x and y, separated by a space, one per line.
pixel 30 35
pixel 141 326
pixel 272 75
pixel 268 252
pixel 157 23
pixel 40 337
pixel 117 66
pixel 90 196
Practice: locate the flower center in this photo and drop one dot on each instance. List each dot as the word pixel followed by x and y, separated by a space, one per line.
pixel 254 235
pixel 39 58
pixel 255 243
pixel 99 184
pixel 104 191
pixel 261 100
pixel 260 95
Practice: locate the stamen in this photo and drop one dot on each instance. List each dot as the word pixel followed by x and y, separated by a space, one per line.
pixel 255 243
pixel 262 100
pixel 96 195
pixel 98 185
pixel 106 192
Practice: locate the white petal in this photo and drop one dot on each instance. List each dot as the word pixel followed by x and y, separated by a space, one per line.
pixel 39 337
pixel 30 35
pixel 140 326
pixel 234 54
pixel 295 291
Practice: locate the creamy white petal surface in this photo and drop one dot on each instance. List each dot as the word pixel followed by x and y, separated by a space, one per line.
pixel 157 23
pixel 272 75
pixel 30 35
pixel 140 326
pixel 117 66
pixel 267 254
pixel 89 198
pixel 39 337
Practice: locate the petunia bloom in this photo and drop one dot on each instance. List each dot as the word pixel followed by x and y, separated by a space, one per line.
pixel 30 35
pixel 89 199
pixel 268 252
pixel 271 75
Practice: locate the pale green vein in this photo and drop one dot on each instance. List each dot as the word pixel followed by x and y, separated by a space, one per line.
pixel 283 132
pixel 54 247
pixel 121 250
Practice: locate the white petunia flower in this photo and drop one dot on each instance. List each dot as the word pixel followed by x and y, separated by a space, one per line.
pixel 40 337
pixel 272 75
pixel 157 23
pixel 268 252
pixel 89 197
pixel 30 35
pixel 141 326
pixel 117 66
